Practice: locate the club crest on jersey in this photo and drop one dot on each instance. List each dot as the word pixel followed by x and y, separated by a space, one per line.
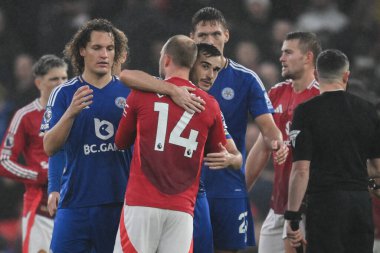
pixel 120 102
pixel 228 93
pixel 292 136
pixel 9 141
pixel 47 115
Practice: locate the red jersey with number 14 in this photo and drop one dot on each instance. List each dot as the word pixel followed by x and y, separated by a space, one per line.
pixel 284 101
pixel 169 144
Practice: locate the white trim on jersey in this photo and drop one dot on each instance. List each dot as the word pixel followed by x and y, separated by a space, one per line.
pixel 55 91
pixel 240 67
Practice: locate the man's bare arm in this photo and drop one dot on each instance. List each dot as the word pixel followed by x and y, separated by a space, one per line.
pixel 139 80
pixel 257 159
pixel 229 156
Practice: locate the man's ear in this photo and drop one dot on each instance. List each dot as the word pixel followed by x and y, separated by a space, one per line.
pixel 310 56
pixel 345 77
pixel 82 51
pixel 227 35
pixel 167 60
pixel 37 82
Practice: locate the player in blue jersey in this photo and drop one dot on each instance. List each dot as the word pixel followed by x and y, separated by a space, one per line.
pixel 238 91
pixel 81 118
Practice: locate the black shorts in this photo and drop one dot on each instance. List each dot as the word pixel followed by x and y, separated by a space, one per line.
pixel 339 222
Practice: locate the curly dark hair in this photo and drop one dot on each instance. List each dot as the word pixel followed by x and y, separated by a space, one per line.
pixel 83 36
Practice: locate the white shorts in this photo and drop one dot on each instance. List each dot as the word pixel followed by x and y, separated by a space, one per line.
pixel 376 246
pixel 273 232
pixel 39 235
pixel 151 230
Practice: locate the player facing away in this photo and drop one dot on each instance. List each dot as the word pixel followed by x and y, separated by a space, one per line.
pixel 23 139
pixel 81 119
pixel 238 91
pixel 202 74
pixel 299 53
pixel 169 145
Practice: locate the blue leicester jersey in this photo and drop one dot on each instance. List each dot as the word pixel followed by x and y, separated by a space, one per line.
pixel 238 91
pixel 96 172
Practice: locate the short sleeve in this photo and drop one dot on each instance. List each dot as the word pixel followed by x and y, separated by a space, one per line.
pixel 259 102
pixel 55 108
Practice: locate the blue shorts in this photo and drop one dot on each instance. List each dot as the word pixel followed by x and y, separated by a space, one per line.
pixel 88 229
pixel 202 235
pixel 232 223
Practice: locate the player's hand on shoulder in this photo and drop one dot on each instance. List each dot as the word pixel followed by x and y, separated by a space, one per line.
pixel 53 202
pixel 188 101
pixel 82 98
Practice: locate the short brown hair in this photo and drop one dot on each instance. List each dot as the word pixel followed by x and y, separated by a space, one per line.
pixel 182 49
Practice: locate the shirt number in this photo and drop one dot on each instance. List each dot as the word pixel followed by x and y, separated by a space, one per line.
pixel 190 144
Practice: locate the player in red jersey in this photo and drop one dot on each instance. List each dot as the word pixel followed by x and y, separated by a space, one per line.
pixel 168 152
pixel 299 52
pixel 23 138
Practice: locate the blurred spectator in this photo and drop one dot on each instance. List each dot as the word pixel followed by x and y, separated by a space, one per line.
pixel 23 88
pixel 144 21
pixel 248 54
pixel 269 73
pixel 324 18
pixel 58 21
pixel 256 24
pixel 6 109
pixel 322 15
pixel 9 46
pixel 272 48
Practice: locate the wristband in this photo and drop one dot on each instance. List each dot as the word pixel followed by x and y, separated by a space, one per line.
pixel 292 215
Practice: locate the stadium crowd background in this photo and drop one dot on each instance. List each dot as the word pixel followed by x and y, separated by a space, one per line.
pixel 29 29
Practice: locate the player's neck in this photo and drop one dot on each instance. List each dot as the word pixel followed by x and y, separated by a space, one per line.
pixel 99 81
pixel 177 72
pixel 303 83
pixel 43 101
pixel 224 62
pixel 328 87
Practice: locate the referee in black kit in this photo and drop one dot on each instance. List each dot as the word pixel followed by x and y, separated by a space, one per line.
pixel 333 136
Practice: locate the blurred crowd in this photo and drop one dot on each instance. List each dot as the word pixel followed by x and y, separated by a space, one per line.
pixel 29 29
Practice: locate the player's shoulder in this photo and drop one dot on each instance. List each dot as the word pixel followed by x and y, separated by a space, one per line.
pixel 29 109
pixel 68 86
pixel 241 70
pixel 282 85
pixel 314 87
pixel 279 89
pixel 211 102
pixel 116 80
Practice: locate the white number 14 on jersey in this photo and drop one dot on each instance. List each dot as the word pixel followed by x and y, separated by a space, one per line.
pixel 190 144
